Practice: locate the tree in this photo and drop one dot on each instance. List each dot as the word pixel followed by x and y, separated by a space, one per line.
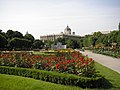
pixel 75 44
pixel 48 43
pixel 80 42
pixel 29 37
pixel 70 43
pixel 100 39
pixel 12 34
pixel 93 40
pixel 112 37
pixel 105 40
pixel 87 41
pixel 19 43
pixel 3 33
pixel 62 40
pixel 118 38
pixel 3 41
pixel 97 34
pixel 38 44
pixel 17 34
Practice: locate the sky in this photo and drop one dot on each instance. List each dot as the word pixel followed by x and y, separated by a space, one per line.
pixel 45 17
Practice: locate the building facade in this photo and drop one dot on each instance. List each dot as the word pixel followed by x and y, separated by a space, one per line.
pixel 67 34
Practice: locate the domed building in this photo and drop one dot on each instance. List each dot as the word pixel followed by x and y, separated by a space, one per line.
pixel 67 30
pixel 67 34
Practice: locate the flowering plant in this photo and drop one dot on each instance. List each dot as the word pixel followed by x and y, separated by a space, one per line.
pixel 68 61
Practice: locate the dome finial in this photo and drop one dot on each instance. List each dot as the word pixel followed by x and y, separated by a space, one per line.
pixel 27 32
pixel 67 26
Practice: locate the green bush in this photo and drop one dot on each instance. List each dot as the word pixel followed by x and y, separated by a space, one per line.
pixel 55 77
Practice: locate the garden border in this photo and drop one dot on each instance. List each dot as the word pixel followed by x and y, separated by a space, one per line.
pixel 55 77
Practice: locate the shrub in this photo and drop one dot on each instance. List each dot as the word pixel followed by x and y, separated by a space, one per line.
pixel 54 77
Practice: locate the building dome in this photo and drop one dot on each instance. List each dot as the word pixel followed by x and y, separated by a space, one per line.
pixel 67 30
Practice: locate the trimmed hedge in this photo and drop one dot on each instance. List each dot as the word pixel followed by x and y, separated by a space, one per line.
pixel 55 77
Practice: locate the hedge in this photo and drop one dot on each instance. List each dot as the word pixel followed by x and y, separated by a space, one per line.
pixel 55 77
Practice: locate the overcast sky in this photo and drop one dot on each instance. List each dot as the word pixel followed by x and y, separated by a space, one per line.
pixel 44 17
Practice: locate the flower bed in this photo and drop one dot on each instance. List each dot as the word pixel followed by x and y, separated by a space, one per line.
pixel 66 67
pixel 106 51
pixel 112 53
pixel 71 62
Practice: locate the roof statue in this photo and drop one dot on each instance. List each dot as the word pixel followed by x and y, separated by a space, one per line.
pixel 67 30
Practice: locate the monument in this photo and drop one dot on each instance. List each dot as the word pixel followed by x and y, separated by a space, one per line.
pixel 58 46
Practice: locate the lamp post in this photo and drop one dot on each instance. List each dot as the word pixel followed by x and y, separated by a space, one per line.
pixel 108 43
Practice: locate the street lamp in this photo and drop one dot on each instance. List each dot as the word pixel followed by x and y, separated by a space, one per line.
pixel 108 43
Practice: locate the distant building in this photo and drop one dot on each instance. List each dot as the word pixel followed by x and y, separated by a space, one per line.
pixel 67 34
pixel 103 32
pixel 58 46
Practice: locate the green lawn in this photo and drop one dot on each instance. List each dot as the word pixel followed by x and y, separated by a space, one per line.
pixel 112 76
pixel 10 82
pixel 43 53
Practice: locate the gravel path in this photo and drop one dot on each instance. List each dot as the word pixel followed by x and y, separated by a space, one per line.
pixel 110 62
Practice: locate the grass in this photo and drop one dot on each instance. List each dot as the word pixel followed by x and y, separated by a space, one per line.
pixel 38 53
pixel 112 76
pixel 43 53
pixel 11 82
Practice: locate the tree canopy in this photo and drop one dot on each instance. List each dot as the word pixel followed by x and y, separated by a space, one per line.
pixel 15 39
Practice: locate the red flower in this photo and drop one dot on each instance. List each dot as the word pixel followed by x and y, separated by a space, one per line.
pixel 86 63
pixel 57 66
pixel 91 59
pixel 73 61
pixel 65 68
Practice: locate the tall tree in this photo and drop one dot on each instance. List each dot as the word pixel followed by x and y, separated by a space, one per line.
pixel 112 37
pixel 48 43
pixel 38 44
pixel 62 40
pixel 3 41
pixel 12 34
pixel 17 34
pixel 29 37
pixel 19 43
pixel 70 43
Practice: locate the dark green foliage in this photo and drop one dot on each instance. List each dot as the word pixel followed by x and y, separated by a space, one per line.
pixel 48 43
pixel 118 38
pixel 3 41
pixel 86 41
pixel 54 77
pixel 38 44
pixel 70 43
pixel 99 38
pixel 12 34
pixel 108 52
pixel 29 37
pixel 61 40
pixel 19 43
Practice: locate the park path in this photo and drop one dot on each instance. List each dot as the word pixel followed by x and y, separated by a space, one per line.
pixel 110 62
